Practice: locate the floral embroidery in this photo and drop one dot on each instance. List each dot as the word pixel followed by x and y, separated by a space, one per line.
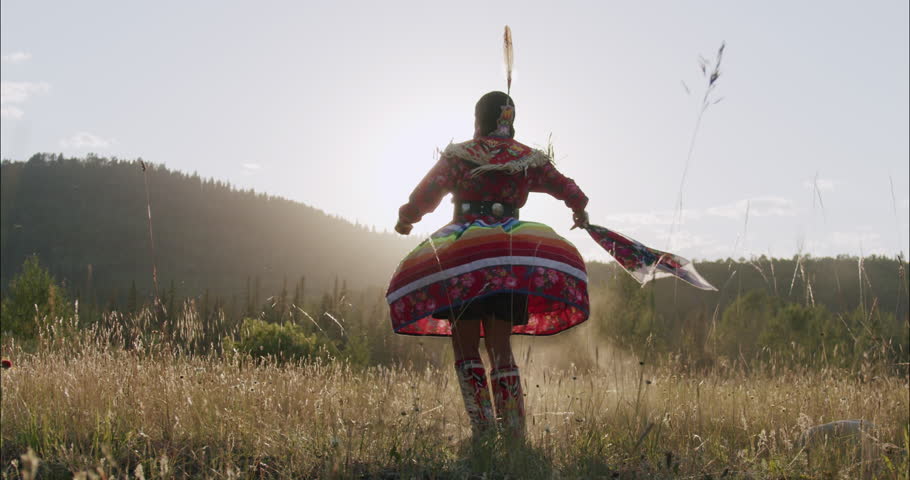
pixel 645 263
pixel 560 300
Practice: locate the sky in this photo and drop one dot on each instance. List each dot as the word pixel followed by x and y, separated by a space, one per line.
pixel 344 105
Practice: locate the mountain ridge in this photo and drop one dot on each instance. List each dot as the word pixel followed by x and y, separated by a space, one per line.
pixel 87 220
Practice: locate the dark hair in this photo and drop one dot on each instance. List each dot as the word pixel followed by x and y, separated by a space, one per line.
pixel 487 111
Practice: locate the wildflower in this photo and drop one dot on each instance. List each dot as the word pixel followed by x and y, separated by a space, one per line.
pixel 6 363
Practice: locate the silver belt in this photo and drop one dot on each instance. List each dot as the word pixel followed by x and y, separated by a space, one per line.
pixel 484 209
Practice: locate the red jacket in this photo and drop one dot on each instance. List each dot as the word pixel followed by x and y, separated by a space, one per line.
pixel 490 169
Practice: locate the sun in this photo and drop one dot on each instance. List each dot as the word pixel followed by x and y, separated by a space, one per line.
pixel 408 153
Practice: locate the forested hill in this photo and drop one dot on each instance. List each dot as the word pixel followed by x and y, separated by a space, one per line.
pixel 86 219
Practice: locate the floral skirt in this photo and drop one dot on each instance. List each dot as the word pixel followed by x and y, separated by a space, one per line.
pixel 466 262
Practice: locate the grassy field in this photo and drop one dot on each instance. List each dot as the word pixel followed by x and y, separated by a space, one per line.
pixel 148 412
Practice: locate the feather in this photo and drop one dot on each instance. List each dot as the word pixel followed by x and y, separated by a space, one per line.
pixel 509 57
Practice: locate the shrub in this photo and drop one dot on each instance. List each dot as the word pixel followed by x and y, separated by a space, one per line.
pixel 287 341
pixel 34 297
pixel 743 322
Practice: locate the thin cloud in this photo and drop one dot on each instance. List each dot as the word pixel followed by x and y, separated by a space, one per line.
pixel 717 251
pixel 682 242
pixel 823 184
pixel 665 217
pixel 769 206
pixel 640 218
pixel 84 140
pixel 854 239
pixel 16 93
pixel 16 57
pixel 688 242
pixel 9 111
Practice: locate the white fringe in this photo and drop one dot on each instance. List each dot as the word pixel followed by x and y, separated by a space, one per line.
pixel 536 158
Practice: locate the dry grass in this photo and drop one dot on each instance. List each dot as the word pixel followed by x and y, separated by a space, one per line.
pixel 152 413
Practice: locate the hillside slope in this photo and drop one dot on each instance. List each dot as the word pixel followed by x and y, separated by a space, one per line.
pixel 87 221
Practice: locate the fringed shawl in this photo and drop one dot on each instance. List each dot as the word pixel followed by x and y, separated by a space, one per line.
pixel 492 154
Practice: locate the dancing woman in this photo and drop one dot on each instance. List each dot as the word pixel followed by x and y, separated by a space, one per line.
pixel 487 273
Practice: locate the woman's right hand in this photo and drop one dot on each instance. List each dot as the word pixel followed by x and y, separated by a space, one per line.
pixel 403 228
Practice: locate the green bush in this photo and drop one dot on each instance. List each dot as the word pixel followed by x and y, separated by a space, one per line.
pixel 631 320
pixel 34 298
pixel 742 323
pixel 287 341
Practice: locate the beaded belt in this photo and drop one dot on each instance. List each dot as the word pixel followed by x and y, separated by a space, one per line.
pixel 484 209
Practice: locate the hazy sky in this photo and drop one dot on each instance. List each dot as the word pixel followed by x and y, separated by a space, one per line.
pixel 341 105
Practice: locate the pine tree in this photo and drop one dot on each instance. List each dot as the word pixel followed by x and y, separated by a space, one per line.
pixel 283 298
pixel 112 302
pixel 335 297
pixel 205 306
pixel 132 299
pixel 248 308
pixel 171 301
pixel 256 304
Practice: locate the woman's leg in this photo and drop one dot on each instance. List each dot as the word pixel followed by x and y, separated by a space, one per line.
pixel 498 340
pixel 472 377
pixel 466 338
pixel 505 379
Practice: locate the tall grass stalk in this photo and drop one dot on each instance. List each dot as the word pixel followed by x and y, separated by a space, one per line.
pixel 706 101
pixel 148 205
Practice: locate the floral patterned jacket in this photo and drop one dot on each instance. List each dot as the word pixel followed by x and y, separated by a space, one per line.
pixel 490 169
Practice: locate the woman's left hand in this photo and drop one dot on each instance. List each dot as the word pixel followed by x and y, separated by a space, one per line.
pixel 580 218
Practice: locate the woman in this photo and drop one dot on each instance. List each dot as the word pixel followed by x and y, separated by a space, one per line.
pixel 488 274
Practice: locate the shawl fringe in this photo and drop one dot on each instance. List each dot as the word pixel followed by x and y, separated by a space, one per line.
pixel 479 154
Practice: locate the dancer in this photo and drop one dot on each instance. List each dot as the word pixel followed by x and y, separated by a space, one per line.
pixel 489 274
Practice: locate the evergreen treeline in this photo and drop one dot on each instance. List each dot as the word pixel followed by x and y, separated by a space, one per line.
pixel 231 259
pixel 840 284
pixel 834 311
pixel 86 220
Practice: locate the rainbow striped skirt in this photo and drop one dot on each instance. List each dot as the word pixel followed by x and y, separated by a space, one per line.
pixel 467 263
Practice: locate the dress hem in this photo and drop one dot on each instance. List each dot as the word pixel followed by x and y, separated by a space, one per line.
pixel 577 306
